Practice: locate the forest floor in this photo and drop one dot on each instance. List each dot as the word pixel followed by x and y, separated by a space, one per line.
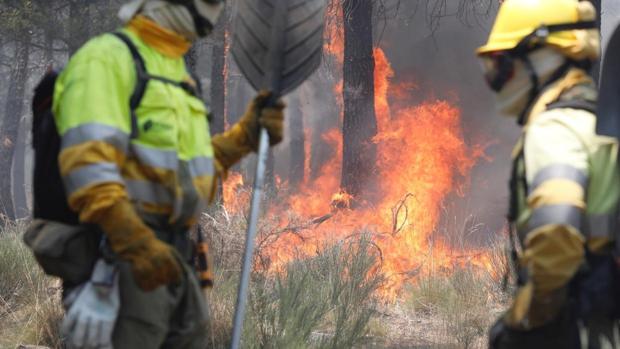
pixel 310 305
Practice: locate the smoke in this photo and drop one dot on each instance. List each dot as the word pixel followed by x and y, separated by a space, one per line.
pixel 438 63
pixel 443 65
pixel 436 57
pixel 441 61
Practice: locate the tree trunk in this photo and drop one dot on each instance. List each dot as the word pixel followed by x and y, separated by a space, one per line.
pixel 18 172
pixel 218 76
pixel 217 107
pixel 297 143
pixel 79 25
pixel 48 53
pixel 10 126
pixel 359 124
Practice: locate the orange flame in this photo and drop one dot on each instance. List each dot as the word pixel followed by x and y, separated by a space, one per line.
pixel 341 200
pixel 235 194
pixel 421 158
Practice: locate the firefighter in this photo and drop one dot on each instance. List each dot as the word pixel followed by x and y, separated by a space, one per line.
pixel 144 182
pixel 565 184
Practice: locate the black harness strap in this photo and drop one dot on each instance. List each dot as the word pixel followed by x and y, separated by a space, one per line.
pixel 583 96
pixel 142 80
pixel 582 105
pixel 536 88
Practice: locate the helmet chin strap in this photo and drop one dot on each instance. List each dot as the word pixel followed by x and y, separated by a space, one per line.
pixel 532 42
pixel 536 86
pixel 533 92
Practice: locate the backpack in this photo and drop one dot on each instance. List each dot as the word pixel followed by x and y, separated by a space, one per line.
pixel 50 200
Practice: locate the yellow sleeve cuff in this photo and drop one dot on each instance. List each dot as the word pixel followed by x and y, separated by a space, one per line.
pixel 231 146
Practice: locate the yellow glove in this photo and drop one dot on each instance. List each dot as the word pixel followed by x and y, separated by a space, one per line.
pixel 257 115
pixel 242 138
pixel 153 262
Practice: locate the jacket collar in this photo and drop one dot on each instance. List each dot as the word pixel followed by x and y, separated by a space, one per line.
pixel 164 41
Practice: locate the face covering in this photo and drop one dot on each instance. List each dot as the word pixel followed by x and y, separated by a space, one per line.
pixel 513 99
pixel 173 16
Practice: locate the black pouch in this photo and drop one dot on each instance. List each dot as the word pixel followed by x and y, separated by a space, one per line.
pixel 66 251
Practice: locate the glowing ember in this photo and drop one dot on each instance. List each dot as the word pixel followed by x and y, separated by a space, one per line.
pixel 342 200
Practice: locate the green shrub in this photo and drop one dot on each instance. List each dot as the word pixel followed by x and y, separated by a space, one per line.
pixel 325 301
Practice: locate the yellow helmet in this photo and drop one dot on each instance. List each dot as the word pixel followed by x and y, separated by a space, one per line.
pixel 567 25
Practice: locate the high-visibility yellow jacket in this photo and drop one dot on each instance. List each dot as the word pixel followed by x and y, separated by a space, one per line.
pixel 566 191
pixel 566 169
pixel 169 171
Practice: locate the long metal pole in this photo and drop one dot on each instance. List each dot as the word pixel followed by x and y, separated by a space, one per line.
pixel 273 79
pixel 248 254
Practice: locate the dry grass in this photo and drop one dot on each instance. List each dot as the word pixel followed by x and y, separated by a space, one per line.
pixel 327 301
pixel 458 305
pixel 30 308
pixel 443 308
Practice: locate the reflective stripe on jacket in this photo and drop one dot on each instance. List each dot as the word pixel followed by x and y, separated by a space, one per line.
pixel 569 174
pixel 168 169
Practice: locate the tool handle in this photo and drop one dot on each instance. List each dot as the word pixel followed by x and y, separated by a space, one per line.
pixel 244 282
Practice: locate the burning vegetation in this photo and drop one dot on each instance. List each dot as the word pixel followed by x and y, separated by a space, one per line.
pixel 344 257
pixel 421 158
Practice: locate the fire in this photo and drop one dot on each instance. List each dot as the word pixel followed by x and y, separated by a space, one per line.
pixel 421 159
pixel 235 195
pixel 341 200
pixel 383 74
pixel 307 153
pixel 334 33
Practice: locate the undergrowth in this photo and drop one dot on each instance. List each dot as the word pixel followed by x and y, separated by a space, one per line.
pixel 30 309
pixel 326 301
pixel 460 303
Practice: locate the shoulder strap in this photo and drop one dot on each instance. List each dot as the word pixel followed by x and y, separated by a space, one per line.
pixel 142 80
pixel 582 96
pixel 145 76
pixel 516 179
pixel 583 105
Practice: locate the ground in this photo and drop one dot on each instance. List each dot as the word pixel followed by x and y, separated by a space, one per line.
pixel 436 309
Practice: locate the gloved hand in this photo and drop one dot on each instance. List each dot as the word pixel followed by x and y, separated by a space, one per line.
pixel 154 263
pixel 92 310
pixel 258 114
pixel 231 146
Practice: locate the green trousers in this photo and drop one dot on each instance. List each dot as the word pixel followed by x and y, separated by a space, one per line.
pixel 171 317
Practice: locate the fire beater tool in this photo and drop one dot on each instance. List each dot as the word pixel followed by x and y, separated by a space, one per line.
pixel 277 45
